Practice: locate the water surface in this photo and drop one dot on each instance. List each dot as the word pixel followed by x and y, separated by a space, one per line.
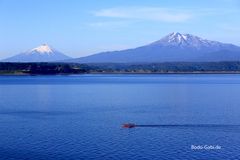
pixel 80 117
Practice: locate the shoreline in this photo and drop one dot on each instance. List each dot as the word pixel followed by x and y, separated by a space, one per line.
pixel 154 68
pixel 119 73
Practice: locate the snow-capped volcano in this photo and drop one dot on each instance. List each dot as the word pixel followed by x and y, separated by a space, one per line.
pixel 189 41
pixel 42 53
pixel 174 47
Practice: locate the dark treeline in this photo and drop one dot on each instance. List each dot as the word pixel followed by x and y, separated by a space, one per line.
pixel 75 68
pixel 41 68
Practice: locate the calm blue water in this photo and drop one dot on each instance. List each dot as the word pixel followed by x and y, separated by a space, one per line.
pixel 80 117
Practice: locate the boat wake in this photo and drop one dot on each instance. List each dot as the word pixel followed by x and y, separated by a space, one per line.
pixel 132 125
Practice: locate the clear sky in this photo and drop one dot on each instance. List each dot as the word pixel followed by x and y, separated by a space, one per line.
pixel 82 27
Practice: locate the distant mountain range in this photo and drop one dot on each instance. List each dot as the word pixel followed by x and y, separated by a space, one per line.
pixel 175 47
pixel 43 53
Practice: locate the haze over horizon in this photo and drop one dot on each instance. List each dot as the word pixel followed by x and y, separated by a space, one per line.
pixel 79 29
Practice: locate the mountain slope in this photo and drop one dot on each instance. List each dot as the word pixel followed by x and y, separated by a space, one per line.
pixel 43 53
pixel 174 47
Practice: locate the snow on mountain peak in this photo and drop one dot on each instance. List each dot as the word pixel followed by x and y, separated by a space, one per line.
pixel 185 40
pixel 175 36
pixel 44 48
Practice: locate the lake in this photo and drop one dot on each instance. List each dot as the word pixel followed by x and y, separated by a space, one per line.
pixel 80 117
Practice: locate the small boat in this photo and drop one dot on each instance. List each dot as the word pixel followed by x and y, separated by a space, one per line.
pixel 128 125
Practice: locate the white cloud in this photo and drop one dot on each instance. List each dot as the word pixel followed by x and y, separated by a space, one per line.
pixel 145 13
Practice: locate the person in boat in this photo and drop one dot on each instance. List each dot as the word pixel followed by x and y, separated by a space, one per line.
pixel 128 125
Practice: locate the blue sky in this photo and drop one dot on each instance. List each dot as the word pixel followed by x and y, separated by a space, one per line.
pixel 79 28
